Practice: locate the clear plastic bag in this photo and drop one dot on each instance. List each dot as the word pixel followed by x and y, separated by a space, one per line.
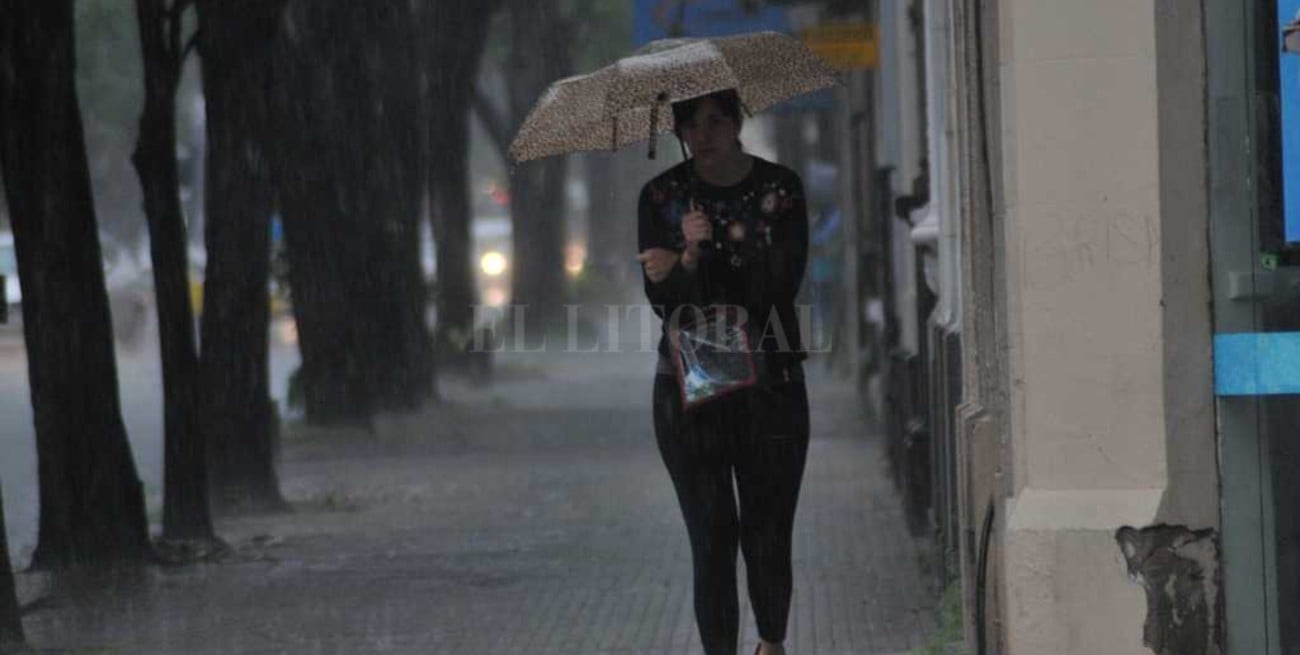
pixel 712 355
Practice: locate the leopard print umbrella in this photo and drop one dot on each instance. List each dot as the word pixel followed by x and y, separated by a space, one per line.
pixel 627 101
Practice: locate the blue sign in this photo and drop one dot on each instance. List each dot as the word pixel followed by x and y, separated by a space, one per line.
pixel 1288 13
pixel 660 19
pixel 1257 364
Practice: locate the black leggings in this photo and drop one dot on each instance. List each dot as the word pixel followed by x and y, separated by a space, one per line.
pixel 759 436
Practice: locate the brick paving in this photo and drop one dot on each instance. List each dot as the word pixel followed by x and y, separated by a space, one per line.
pixel 530 517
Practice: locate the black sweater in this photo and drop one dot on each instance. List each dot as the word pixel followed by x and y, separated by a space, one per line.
pixel 760 227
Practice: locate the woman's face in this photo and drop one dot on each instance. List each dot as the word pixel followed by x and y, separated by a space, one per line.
pixel 710 134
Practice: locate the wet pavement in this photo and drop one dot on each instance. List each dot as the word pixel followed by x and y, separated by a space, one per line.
pixel 139 380
pixel 532 516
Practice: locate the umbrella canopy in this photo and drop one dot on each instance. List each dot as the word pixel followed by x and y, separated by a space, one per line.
pixel 622 103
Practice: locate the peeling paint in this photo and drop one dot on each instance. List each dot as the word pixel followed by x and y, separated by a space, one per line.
pixel 1179 568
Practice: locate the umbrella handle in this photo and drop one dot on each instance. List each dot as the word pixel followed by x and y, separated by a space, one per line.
pixel 654 133
pixel 654 122
pixel 707 246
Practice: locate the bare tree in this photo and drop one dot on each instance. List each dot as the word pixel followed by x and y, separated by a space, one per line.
pixel 544 44
pixel 186 513
pixel 91 500
pixel 541 53
pixel 458 33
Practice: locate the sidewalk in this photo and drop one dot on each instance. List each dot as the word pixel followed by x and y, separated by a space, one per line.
pixel 530 517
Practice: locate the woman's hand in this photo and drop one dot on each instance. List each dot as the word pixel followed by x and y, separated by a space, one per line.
pixel 696 228
pixel 658 263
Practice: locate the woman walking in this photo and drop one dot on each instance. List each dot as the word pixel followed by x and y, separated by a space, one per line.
pixel 726 228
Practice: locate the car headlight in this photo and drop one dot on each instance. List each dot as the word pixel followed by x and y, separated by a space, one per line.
pixel 495 297
pixel 575 259
pixel 493 263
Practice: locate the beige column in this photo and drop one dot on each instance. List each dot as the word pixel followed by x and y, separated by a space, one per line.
pixel 1086 329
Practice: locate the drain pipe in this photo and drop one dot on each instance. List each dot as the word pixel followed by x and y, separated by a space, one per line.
pixel 981 580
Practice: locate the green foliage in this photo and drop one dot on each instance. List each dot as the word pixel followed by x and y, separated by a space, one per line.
pixel 590 287
pixel 602 31
pixel 948 638
pixel 498 40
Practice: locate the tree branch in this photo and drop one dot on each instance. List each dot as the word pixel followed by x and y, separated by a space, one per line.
pixel 177 53
pixel 493 121
pixel 178 8
pixel 189 46
pixel 175 19
pixel 176 65
pixel 150 15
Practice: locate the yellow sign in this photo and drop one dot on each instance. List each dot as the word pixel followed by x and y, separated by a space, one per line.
pixel 846 46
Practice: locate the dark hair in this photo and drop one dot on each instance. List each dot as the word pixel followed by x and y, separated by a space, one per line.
pixel 728 102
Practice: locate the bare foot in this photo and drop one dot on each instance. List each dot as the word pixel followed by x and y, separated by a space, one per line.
pixel 765 648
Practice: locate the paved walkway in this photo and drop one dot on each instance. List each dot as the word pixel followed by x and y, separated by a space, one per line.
pixel 531 517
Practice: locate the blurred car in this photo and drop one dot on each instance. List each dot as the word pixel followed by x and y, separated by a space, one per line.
pixel 130 293
pixel 491 242
pixel 493 245
pixel 12 326
pixel 277 287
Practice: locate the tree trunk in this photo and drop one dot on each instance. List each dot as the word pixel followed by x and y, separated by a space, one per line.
pixel 185 484
pixel 319 237
pixel 351 179
pixel 537 216
pixel 11 620
pixel 92 503
pixel 451 216
pixel 608 254
pixel 390 132
pixel 459 34
pixel 540 55
pixel 236 44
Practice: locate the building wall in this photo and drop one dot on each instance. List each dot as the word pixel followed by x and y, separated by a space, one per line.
pixel 906 301
pixel 901 147
pixel 1083 209
pixel 1192 496
pixel 983 453
pixel 1106 418
pixel 1081 170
